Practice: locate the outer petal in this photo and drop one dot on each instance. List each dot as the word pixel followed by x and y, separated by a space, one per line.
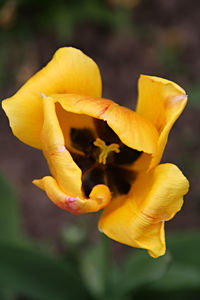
pixel 70 71
pixel 161 102
pixel 99 197
pixel 138 219
pixel 132 129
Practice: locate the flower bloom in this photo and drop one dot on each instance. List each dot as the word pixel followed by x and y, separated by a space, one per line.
pixel 100 154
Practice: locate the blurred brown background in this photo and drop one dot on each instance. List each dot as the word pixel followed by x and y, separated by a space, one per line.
pixel 126 38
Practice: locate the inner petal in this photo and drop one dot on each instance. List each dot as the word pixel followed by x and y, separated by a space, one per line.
pixel 83 162
pixel 119 179
pixel 127 155
pixel 82 139
pixel 105 132
pixel 92 177
pixel 70 121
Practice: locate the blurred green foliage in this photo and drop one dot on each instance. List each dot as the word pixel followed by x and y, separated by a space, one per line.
pixel 170 58
pixel 63 15
pixel 90 272
pixel 194 95
pixel 10 222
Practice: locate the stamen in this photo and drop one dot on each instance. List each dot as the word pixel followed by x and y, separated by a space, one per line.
pixel 105 150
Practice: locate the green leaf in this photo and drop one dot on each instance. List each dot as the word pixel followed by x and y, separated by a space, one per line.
pixel 180 276
pixel 184 272
pixel 137 270
pixel 185 247
pixel 10 226
pixel 108 281
pixel 31 272
pixel 73 236
pixel 92 269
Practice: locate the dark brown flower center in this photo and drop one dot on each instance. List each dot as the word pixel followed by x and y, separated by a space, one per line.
pixel 104 159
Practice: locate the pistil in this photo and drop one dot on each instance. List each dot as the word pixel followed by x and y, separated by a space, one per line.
pixel 105 150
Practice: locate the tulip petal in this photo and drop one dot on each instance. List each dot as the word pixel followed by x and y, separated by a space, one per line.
pixel 132 129
pixel 99 197
pixel 69 121
pixel 160 101
pixel 138 218
pixel 61 164
pixel 70 71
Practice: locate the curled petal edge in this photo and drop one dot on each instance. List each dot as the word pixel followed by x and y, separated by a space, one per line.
pixel 161 102
pixel 99 197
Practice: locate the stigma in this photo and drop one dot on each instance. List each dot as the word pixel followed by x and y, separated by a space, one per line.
pixel 105 150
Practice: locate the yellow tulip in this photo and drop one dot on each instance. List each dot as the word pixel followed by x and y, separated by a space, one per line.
pixel 100 154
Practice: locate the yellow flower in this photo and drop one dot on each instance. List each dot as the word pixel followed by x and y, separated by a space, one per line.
pixel 100 154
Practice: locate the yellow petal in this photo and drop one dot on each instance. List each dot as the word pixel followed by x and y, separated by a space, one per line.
pixel 70 71
pixel 99 197
pixel 62 167
pixel 160 101
pixel 132 129
pixel 69 120
pixel 138 218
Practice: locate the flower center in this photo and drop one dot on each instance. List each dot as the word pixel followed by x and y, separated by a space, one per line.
pixel 105 150
pixel 104 159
